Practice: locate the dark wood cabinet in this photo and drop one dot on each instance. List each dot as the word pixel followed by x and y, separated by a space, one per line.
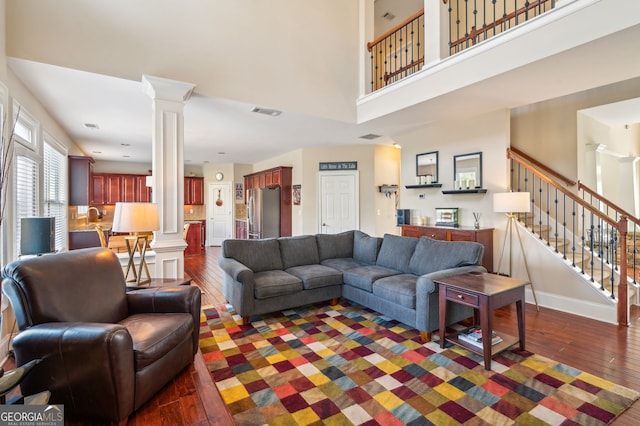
pixel 83 239
pixel 241 229
pixel 193 190
pixel 277 177
pixel 80 170
pixel 194 239
pixel 483 236
pixel 111 188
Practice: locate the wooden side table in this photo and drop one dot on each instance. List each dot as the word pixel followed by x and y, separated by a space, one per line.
pixel 483 292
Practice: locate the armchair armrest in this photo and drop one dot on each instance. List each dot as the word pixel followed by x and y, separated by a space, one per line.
pixel 180 299
pixel 89 366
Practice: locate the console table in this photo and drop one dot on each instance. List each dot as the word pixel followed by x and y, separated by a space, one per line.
pixel 483 236
pixel 483 292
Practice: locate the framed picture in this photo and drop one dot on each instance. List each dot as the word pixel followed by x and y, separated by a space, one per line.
pixel 447 217
pixel 296 194
pixel 239 192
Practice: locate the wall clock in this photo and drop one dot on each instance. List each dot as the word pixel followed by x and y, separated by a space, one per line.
pixel 219 176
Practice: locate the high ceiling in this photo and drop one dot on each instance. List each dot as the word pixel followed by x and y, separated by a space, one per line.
pixel 70 79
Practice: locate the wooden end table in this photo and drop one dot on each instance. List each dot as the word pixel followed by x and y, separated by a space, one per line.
pixel 483 292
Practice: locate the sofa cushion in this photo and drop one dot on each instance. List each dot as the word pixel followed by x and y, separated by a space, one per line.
pixel 435 255
pixel 155 335
pixel 343 263
pixel 400 289
pixel 257 255
pixel 365 248
pixel 335 245
pixel 296 251
pixel 316 276
pixel 396 252
pixel 364 276
pixel 275 283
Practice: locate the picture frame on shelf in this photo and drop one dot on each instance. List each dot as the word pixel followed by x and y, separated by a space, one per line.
pixel 447 217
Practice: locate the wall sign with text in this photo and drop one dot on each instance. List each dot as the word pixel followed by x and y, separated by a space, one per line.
pixel 339 165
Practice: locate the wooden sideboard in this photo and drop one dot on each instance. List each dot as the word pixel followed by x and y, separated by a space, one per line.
pixel 483 236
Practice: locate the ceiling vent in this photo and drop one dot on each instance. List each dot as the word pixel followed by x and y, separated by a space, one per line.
pixel 91 126
pixel 370 136
pixel 389 16
pixel 267 111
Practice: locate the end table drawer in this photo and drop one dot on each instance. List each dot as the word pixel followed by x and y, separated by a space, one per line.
pixel 462 297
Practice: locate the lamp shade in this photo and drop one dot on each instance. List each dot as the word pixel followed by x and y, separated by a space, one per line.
pixel 512 202
pixel 135 217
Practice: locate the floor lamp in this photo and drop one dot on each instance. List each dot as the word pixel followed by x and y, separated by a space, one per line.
pixel 136 218
pixel 511 203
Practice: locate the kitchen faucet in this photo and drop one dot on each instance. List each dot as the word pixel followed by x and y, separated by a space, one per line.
pixel 98 212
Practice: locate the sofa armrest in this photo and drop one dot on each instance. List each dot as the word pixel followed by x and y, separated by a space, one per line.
pixel 238 285
pixel 180 299
pixel 89 366
pixel 426 284
pixel 236 270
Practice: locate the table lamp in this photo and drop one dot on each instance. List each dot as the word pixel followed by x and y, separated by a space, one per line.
pixel 136 218
pixel 510 203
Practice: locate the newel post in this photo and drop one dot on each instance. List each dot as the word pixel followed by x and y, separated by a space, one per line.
pixel 623 288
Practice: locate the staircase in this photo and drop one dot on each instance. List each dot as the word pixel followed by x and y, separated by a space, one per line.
pixel 595 238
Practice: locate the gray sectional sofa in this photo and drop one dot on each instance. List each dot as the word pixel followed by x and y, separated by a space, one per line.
pixel 392 275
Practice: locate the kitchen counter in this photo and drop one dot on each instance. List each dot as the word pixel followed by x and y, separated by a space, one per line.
pixel 90 227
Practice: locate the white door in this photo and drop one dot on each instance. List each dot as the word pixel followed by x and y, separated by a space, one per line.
pixel 219 211
pixel 339 205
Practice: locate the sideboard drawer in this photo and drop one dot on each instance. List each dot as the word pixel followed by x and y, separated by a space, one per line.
pixel 462 297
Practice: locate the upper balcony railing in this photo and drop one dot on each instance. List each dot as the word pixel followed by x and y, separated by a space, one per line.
pixel 400 52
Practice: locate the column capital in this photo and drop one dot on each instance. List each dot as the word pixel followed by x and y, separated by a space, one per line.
pixel 165 89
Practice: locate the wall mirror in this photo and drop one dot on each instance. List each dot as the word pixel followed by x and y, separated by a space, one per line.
pixel 467 171
pixel 427 165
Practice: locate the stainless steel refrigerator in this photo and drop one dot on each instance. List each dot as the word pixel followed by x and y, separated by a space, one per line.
pixel 263 213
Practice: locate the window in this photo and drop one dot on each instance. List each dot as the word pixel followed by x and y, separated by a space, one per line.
pixel 26 127
pixel 55 189
pixel 26 192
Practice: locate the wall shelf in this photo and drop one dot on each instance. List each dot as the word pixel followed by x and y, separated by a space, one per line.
pixel 426 185
pixel 465 191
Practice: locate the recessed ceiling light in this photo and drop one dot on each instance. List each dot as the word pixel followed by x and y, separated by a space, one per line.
pixel 92 126
pixel 397 145
pixel 267 111
pixel 370 136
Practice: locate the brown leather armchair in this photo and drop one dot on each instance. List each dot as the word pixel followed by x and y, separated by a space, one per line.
pixel 104 351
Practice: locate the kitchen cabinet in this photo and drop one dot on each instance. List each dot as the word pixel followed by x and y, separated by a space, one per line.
pixel 111 188
pixel 194 239
pixel 193 190
pixel 271 178
pixel 241 229
pixel 483 236
pixel 80 170
pixel 83 239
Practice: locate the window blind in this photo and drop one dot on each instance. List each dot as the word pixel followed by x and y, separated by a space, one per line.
pixel 26 193
pixel 55 192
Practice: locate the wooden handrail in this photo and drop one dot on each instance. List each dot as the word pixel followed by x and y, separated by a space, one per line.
pixel 394 29
pixel 557 185
pixel 486 28
pixel 620 225
pixel 600 198
pixel 536 163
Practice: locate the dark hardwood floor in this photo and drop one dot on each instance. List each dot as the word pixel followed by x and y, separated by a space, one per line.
pixel 605 350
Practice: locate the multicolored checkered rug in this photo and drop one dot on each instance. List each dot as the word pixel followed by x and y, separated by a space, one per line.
pixel 347 365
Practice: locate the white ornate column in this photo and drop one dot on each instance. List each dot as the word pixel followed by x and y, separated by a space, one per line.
pixel 168 98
